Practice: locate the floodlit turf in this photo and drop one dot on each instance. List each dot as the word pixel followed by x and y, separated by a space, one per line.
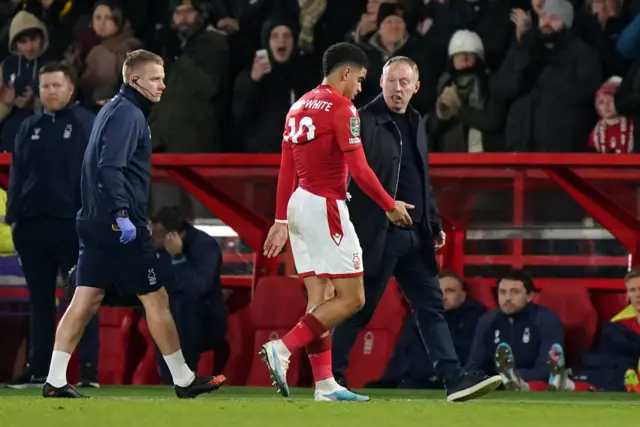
pixel 261 407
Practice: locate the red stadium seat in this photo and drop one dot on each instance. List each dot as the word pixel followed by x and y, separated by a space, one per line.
pixel 116 325
pixel 374 345
pixel 483 294
pixel 240 338
pixel 147 371
pixel 205 364
pixel 278 304
pixel 607 304
pixel 573 305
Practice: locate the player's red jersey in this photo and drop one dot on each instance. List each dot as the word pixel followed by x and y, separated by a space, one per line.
pixel 320 126
pixel 320 142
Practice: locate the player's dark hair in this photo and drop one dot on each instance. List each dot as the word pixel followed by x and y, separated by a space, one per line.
pixel 341 54
pixel 518 275
pixel 171 219
pixel 54 67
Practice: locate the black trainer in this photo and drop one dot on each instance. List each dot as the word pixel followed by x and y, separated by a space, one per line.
pixel 26 379
pixel 66 392
pixel 472 386
pixel 200 385
pixel 88 377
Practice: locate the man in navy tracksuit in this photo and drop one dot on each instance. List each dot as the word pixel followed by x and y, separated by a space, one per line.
pixel 42 201
pixel 516 339
pixel 117 253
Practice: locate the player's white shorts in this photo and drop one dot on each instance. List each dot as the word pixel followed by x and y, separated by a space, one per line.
pixel 323 240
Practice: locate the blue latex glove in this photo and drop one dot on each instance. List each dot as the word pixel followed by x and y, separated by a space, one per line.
pixel 127 229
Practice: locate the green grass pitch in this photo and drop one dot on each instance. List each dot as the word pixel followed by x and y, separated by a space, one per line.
pixel 262 407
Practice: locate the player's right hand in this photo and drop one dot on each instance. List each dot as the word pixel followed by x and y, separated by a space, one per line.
pixel 276 239
pixel 399 215
pixel 127 230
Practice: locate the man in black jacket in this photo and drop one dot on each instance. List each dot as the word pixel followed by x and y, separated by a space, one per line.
pixel 395 143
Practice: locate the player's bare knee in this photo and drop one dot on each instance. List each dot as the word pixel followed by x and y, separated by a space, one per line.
pixel 330 292
pixel 317 291
pixel 351 292
pixel 357 301
pixel 155 302
pixel 86 301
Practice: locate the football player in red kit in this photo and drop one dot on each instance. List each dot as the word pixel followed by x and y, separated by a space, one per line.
pixel 321 145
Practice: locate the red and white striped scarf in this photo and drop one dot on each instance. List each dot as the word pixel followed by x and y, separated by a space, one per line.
pixel 613 138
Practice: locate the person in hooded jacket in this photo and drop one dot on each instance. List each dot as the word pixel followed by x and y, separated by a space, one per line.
pixel 264 92
pixel 466 118
pixel 28 43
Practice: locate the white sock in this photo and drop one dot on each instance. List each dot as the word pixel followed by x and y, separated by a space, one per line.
pixel 328 385
pixel 569 385
pixel 180 372
pixel 58 370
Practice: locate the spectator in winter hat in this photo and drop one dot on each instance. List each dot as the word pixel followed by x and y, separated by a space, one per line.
pixel 614 132
pixel 548 79
pixel 393 39
pixel 466 118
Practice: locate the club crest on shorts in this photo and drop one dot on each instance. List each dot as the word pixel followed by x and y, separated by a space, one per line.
pixel 355 126
pixel 356 262
pixel 151 277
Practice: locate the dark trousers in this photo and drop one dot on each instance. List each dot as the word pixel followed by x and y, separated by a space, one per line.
pixel 403 259
pixel 47 247
pixel 200 328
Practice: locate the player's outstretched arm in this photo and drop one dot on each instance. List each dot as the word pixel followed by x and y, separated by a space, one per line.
pixel 278 234
pixel 118 143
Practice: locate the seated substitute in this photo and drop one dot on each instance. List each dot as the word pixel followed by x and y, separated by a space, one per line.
pixel 520 340
pixel 195 294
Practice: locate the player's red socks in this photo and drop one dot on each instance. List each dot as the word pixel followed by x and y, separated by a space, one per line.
pixel 308 329
pixel 319 352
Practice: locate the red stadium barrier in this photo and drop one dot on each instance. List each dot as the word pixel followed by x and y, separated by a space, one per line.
pixel 240 191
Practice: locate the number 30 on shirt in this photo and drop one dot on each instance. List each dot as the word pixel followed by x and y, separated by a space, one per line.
pixel 303 131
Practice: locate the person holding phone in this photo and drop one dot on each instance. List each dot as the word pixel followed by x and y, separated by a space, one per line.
pixel 266 89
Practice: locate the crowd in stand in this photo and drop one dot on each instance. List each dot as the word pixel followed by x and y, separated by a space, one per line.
pixel 496 75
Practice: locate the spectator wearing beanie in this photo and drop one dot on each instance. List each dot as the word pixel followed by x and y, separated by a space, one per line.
pixel 614 132
pixel 549 79
pixel 392 39
pixel 466 118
